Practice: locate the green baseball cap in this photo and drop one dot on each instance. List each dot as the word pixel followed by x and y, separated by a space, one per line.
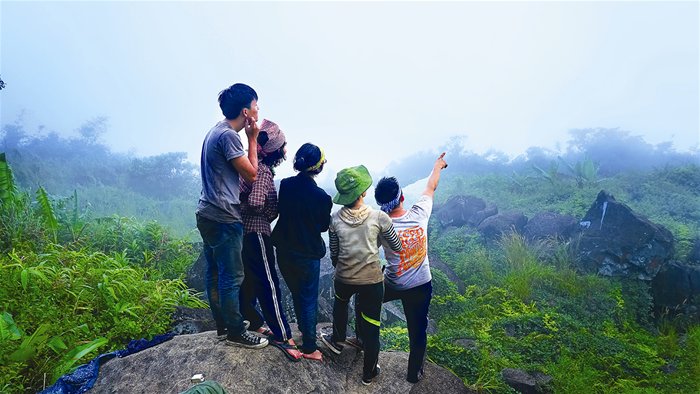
pixel 351 183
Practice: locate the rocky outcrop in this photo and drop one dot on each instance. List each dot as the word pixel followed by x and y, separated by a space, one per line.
pixel 502 223
pixel 694 255
pixel 615 241
pixel 191 321
pixel 194 277
pixel 676 289
pixel 168 367
pixel 464 210
pixel 527 383
pixel 545 225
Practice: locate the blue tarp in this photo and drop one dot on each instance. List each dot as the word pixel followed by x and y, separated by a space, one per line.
pixel 85 376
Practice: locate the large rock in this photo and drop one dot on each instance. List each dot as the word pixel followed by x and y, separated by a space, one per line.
pixel 615 241
pixel 502 223
pixel 168 367
pixel 464 210
pixel 527 383
pixel 694 255
pixel 676 289
pixel 191 321
pixel 195 275
pixel 545 225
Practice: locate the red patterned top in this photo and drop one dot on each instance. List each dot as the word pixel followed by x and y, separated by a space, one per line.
pixel 259 202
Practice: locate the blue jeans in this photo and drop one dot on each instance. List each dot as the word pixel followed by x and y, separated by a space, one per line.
pixel 222 251
pixel 301 276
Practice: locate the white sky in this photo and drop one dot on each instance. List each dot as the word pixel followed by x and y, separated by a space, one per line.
pixel 369 82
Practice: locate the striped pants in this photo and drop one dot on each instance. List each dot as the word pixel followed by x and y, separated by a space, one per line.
pixel 262 285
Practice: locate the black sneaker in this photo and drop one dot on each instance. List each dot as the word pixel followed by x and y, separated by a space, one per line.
pixel 334 346
pixel 356 343
pixel 368 381
pixel 247 340
pixel 222 333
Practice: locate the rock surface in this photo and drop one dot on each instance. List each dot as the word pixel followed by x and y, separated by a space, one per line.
pixel 526 383
pixel 168 367
pixel 191 321
pixel 546 225
pixel 694 255
pixel 502 223
pixel 676 288
pixel 462 210
pixel 615 241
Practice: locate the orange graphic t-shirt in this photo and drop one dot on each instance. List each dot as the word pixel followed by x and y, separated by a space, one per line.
pixel 410 267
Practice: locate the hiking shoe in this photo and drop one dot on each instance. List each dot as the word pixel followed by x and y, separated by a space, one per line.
pixel 247 340
pixel 356 343
pixel 222 333
pixel 416 378
pixel 374 374
pixel 334 346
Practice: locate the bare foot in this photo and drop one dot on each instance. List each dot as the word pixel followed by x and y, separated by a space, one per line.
pixel 316 356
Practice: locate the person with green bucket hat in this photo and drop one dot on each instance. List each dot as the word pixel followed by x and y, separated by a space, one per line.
pixel 354 234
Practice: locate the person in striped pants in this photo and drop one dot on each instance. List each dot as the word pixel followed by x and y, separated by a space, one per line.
pixel 259 209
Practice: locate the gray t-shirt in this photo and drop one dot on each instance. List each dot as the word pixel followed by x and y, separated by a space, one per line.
pixel 410 267
pixel 219 200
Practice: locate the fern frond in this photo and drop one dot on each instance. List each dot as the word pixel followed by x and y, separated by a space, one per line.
pixel 7 183
pixel 47 211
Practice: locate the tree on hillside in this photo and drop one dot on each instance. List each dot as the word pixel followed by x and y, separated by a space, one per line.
pixel 163 176
pixel 92 130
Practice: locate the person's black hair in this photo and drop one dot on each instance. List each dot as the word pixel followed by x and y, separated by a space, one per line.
pixel 307 156
pixel 386 190
pixel 233 99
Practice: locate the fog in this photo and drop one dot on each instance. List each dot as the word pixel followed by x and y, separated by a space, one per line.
pixel 372 83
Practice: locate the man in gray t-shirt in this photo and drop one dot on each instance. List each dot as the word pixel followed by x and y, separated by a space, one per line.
pixel 407 274
pixel 218 212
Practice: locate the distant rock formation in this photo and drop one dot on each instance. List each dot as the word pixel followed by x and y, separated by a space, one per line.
pixel 463 210
pixel 615 241
pixel 546 225
pixel 676 289
pixel 502 223
pixel 168 367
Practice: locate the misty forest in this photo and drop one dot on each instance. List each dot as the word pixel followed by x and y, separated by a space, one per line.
pixel 579 269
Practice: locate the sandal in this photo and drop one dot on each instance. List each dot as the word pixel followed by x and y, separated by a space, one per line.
pixel 287 349
pixel 265 331
pixel 315 356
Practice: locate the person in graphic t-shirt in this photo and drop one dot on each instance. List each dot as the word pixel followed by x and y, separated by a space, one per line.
pixel 407 274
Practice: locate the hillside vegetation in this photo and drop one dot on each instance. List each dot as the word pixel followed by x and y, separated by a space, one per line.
pixel 95 245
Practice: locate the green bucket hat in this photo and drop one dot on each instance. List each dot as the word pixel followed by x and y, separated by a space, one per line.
pixel 351 183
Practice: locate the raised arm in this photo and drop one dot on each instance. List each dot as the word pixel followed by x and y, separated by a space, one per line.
pixel 247 166
pixel 440 164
